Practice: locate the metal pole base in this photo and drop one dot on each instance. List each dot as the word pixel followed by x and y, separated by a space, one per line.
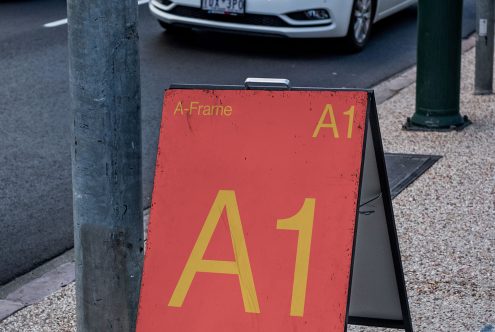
pixel 482 92
pixel 411 125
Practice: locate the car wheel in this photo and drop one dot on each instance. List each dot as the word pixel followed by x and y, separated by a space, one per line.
pixel 360 25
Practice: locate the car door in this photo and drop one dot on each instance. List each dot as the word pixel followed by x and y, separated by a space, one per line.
pixel 389 7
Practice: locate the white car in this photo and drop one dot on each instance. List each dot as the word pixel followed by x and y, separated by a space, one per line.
pixel 350 19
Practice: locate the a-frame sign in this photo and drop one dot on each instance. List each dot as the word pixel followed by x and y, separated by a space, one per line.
pixel 271 212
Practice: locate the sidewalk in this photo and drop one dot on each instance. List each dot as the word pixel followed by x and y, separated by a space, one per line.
pixel 445 221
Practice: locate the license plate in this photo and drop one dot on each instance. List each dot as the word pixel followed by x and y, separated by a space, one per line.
pixel 232 7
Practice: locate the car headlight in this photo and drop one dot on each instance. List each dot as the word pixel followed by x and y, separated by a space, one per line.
pixel 310 15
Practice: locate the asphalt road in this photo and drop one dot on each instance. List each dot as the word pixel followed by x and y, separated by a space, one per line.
pixel 35 179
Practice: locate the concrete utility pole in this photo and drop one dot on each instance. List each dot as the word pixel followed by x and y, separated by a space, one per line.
pixel 483 79
pixel 439 67
pixel 106 162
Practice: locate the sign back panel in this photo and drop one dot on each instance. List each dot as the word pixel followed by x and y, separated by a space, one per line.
pixel 374 292
pixel 254 209
pixel 378 291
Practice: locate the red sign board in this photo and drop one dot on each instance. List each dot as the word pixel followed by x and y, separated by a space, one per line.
pixel 254 210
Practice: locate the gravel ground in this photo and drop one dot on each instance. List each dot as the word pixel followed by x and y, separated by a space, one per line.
pixel 445 221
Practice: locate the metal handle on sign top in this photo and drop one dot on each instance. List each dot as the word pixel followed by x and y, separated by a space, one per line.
pixel 256 83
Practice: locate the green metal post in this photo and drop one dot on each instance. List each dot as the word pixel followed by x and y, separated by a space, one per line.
pixel 438 68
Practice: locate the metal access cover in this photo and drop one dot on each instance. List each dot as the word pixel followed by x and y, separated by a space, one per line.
pixel 404 169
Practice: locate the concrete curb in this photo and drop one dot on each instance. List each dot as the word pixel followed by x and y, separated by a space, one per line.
pixel 41 287
pixel 7 308
pixel 25 290
pixel 390 87
pixel 37 289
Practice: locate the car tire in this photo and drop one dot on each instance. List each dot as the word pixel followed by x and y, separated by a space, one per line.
pixel 360 23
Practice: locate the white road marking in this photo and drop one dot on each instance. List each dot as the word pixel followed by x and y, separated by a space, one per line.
pixel 55 23
pixel 64 20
